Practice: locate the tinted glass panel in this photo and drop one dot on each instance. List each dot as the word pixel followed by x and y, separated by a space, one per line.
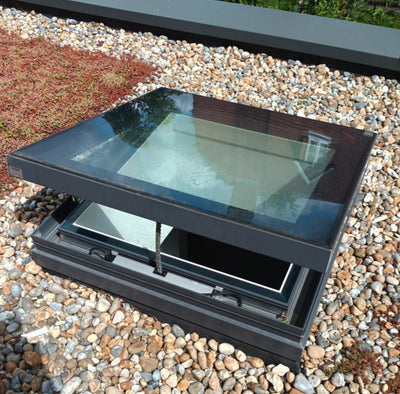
pixel 282 173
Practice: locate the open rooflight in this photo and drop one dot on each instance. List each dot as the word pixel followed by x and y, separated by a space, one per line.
pixel 219 216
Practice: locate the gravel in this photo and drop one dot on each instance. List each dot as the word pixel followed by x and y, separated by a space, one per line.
pixel 57 335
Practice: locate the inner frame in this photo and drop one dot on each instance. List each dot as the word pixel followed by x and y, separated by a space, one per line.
pixel 218 258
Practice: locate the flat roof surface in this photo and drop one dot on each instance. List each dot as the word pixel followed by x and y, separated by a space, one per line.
pixel 306 35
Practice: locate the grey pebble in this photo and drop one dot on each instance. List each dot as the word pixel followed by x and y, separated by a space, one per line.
pixel 337 379
pixel 334 336
pixel 69 347
pixel 87 376
pixel 156 375
pixel 35 292
pixel 377 287
pixel 73 309
pixel 16 291
pixel 177 331
pixel 81 356
pixel 229 384
pixel 55 288
pixel 314 380
pixel 14 273
pixel 51 347
pixel 111 331
pixel 13 327
pixel 331 308
pixel 6 315
pixel 40 348
pixel 28 378
pixel 140 331
pixel 56 383
pixel 16 383
pixel 46 386
pixel 116 350
pixel 71 385
pixel 147 376
pixel 27 304
pixel 18 347
pixel 15 358
pixel 56 306
pixel 196 388
pixel 301 383
pixel 14 231
pixel 355 292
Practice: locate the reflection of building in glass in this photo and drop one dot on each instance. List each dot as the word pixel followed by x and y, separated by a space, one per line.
pixel 318 154
pixel 317 148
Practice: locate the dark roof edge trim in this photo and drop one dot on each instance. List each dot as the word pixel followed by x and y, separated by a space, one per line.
pixel 339 42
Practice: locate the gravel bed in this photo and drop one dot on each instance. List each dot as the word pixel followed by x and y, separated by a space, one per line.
pixel 57 335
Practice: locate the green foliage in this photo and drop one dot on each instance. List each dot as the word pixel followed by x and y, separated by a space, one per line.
pixel 2 125
pixel 371 12
pixel 4 131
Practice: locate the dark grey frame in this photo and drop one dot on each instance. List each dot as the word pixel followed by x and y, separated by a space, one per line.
pixel 265 337
pixel 199 222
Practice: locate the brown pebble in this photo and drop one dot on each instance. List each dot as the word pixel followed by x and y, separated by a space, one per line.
pixel 373 334
pixel 184 357
pixel 219 365
pixel 255 362
pixel 124 354
pixel 148 364
pixel 192 352
pixel 25 387
pixel 105 339
pixel 94 385
pixel 71 364
pixel 214 381
pixel 202 359
pixel 36 383
pixel 33 359
pixel 10 366
pixel 231 364
pixel 183 385
pixel 126 385
pixel 137 347
pixel 329 386
pixel 33 268
pixel 153 347
pixel 360 304
pixel 394 352
pixel 290 377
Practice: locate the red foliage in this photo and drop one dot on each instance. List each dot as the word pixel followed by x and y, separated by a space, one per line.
pixel 46 88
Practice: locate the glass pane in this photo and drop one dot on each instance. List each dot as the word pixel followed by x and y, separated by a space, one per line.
pixel 218 262
pixel 120 226
pixel 227 165
pixel 282 173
